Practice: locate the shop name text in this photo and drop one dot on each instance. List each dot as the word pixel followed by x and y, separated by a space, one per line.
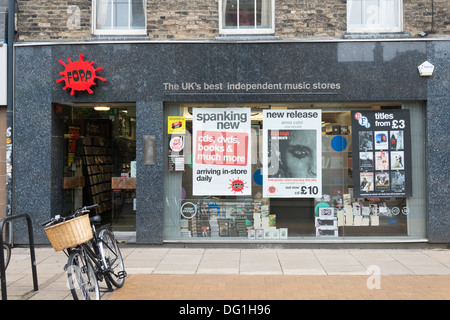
pixel 249 87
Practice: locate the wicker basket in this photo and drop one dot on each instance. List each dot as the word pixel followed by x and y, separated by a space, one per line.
pixel 69 233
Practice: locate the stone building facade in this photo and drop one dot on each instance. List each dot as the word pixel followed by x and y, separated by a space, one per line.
pixel 198 19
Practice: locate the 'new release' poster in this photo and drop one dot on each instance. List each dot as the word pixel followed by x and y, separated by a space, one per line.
pixel 221 151
pixel 292 165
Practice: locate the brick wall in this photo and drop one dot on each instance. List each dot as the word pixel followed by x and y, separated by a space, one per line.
pixel 174 19
pixel 310 18
pixel 47 20
pixel 419 16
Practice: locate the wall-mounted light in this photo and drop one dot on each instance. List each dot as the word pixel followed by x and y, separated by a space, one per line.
pixel 101 108
pixel 149 150
pixel 426 69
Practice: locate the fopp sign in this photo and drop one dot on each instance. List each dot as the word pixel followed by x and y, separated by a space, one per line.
pixel 79 75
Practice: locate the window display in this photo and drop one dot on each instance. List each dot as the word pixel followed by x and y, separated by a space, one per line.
pixel 296 173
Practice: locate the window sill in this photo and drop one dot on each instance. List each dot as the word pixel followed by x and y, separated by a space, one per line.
pixel 376 35
pixel 120 37
pixel 247 37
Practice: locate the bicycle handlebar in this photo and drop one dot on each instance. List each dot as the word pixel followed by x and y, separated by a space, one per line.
pixel 58 219
pixel 84 209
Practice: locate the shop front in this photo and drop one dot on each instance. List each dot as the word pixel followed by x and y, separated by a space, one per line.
pixel 290 171
pixel 269 142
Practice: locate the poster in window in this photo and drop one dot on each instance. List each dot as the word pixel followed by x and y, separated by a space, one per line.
pixel 292 153
pixel 221 151
pixel 176 125
pixel 176 152
pixel 385 137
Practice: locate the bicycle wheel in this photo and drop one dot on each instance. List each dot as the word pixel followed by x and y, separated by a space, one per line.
pixel 81 276
pixel 6 253
pixel 112 258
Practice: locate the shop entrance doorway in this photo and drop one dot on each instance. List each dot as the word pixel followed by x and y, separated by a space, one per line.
pixel 98 149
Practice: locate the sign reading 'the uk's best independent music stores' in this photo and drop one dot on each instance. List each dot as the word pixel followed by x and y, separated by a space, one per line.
pixel 381 153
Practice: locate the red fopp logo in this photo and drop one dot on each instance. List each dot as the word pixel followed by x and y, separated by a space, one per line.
pixel 237 185
pixel 79 75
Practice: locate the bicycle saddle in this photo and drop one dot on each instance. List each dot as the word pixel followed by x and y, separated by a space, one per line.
pixel 95 219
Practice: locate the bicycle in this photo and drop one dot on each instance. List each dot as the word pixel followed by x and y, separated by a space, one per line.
pixel 91 261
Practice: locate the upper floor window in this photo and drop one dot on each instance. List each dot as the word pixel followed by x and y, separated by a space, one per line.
pixel 119 17
pixel 374 15
pixel 246 16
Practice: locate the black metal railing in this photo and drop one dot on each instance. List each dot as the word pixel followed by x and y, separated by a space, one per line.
pixel 32 254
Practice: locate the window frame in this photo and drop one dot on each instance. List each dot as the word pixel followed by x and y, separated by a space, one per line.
pixel 246 31
pixel 364 28
pixel 114 31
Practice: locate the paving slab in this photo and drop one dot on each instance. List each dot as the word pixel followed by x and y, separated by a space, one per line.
pixel 228 273
pixel 270 287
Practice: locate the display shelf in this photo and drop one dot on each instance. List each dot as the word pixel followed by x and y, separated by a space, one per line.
pixel 123 183
pixel 73 182
pixel 98 168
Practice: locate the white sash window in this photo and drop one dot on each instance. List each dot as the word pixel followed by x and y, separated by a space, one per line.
pixel 246 16
pixel 374 15
pixel 119 17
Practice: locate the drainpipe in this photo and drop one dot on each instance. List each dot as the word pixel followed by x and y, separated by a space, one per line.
pixel 10 108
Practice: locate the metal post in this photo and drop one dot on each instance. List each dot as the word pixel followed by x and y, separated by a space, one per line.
pixel 10 107
pixel 32 253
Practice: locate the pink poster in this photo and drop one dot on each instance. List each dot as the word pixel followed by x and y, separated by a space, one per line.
pixel 221 151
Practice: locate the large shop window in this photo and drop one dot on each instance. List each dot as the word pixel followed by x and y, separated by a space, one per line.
pixel 246 16
pixel 119 17
pixel 287 172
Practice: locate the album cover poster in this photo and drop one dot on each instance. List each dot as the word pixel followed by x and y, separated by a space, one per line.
pixel 382 160
pixel 397 160
pixel 398 181
pixel 365 140
pixel 382 182
pixel 366 179
pixel 381 140
pixel 366 161
pixel 396 140
pixel 382 143
pixel 292 148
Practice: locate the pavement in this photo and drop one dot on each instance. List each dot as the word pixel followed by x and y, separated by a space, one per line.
pixel 177 273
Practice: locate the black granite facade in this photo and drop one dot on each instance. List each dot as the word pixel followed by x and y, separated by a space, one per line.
pixel 153 73
pixel 438 143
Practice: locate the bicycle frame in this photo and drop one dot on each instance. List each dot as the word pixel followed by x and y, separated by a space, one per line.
pixel 94 255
